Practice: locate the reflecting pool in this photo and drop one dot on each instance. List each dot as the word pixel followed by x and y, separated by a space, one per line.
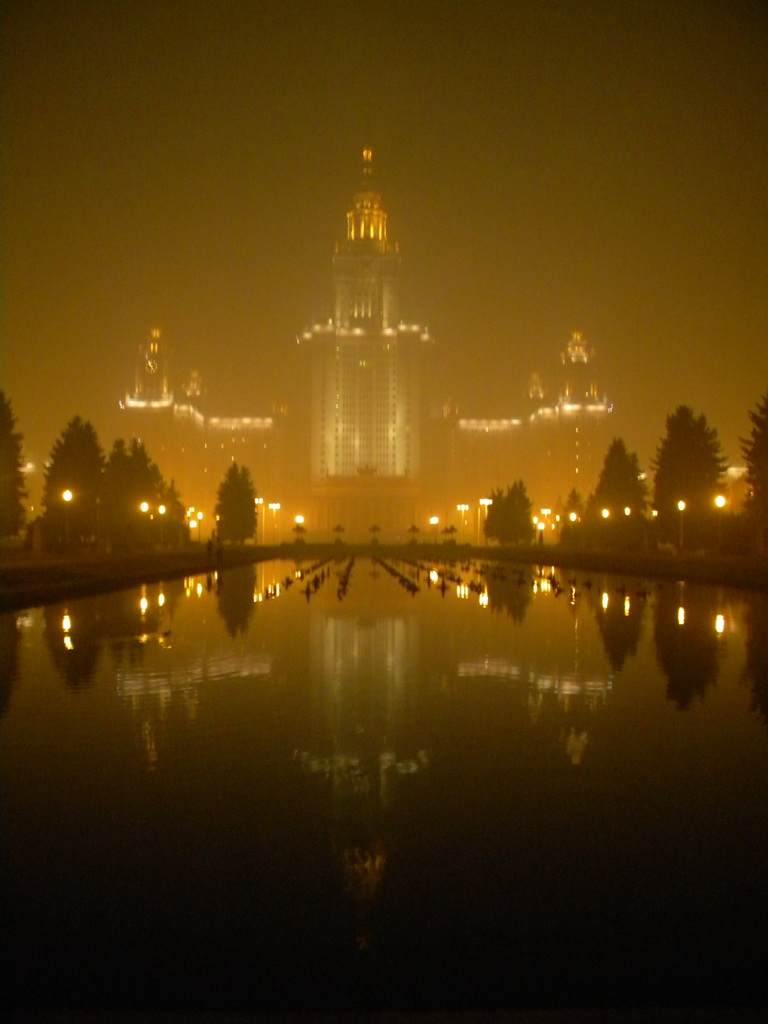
pixel 386 784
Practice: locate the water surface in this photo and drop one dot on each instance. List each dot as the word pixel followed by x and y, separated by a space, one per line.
pixel 362 785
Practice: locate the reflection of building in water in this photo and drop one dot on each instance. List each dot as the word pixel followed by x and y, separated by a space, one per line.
pixel 362 748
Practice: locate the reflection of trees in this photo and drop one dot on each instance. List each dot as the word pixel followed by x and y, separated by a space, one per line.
pixel 687 651
pixel 620 631
pixel 756 667
pixel 74 639
pixel 235 598
pixel 9 659
pixel 511 594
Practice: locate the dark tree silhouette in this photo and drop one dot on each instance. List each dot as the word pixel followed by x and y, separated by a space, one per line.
pixel 620 632
pixel 756 662
pixel 235 598
pixel 132 480
pixel 9 659
pixel 12 490
pixel 509 516
pixel 76 465
pixel 75 641
pixel 620 485
pixel 688 466
pixel 687 645
pixel 236 505
pixel 755 451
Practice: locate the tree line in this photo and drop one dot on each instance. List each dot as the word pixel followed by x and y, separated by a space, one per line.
pixel 119 499
pixel 122 498
pixel 684 508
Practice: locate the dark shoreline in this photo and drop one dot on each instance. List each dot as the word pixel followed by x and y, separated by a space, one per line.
pixel 32 579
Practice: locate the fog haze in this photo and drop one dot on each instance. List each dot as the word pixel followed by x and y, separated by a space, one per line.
pixel 546 167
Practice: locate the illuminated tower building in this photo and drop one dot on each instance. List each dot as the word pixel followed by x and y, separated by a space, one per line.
pixel 151 387
pixel 366 373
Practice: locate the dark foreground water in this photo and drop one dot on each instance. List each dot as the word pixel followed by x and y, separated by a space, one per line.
pixel 496 791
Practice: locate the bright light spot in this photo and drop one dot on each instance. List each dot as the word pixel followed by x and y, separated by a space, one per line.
pixel 161 600
pixel 434 520
pixel 604 601
pixel 462 591
pixel 144 506
pixel 67 495
pixel 626 605
pixel 681 616
pixel 605 513
pixel 434 575
pixel 573 517
pixel 161 510
pixel 541 526
pixel 199 589
pixel 298 520
pixel 483 599
pixel 720 624
pixel 143 605
pixel 68 643
pixel 681 505
pixel 199 516
pixel 720 501
pixel 627 510
pixel 66 623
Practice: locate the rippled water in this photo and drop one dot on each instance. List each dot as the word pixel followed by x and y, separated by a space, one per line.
pixel 386 785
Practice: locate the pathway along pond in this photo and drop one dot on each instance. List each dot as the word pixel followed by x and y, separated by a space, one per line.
pixel 386 785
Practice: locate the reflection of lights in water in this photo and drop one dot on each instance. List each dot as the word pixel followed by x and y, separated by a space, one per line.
pixel 626 605
pixel 720 624
pixel 68 643
pixel 681 616
pixel 462 591
pixel 604 600
pixel 575 745
pixel 483 599
pixel 199 589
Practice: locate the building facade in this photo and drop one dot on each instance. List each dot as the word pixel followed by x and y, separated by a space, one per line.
pixel 366 407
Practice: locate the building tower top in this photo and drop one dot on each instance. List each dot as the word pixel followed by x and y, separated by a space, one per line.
pixel 367 220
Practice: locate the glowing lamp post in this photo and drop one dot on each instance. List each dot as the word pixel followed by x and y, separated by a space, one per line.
pixel 433 521
pixel 161 512
pixel 275 508
pixel 483 503
pixel 720 502
pixel 67 497
pixel 681 509
pixel 463 509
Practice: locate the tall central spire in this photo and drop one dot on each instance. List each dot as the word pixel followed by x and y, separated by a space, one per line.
pixel 367 220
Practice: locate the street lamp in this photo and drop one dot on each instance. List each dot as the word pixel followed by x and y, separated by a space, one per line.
pixel 681 507
pixel 259 515
pixel 485 502
pixel 275 507
pixel 433 521
pixel 161 512
pixel 463 509
pixel 67 496
pixel 720 502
